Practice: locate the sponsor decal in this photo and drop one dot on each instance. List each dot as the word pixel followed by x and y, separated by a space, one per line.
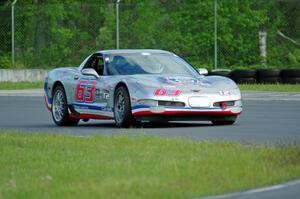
pixel 224 93
pixel 97 92
pixel 167 92
pixel 101 94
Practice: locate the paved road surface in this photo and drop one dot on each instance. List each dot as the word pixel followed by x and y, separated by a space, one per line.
pixel 262 122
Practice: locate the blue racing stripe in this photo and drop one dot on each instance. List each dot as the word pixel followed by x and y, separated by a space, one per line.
pixel 139 106
pixel 92 107
pixel 49 99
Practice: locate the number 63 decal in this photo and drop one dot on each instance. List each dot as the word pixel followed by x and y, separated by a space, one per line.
pixel 85 95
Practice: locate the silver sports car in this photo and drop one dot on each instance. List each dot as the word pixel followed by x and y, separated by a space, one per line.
pixel 132 86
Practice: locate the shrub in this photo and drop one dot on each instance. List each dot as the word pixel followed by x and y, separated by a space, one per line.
pixel 5 61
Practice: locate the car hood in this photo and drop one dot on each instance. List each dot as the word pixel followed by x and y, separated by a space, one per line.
pixel 183 82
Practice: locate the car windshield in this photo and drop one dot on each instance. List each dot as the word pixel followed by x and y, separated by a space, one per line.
pixel 147 63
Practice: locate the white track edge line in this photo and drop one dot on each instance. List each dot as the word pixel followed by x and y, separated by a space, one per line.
pixel 253 191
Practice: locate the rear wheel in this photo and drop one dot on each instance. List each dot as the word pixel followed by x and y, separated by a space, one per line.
pixel 122 108
pixel 224 121
pixel 59 109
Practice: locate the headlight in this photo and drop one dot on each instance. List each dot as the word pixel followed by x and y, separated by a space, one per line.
pixel 148 102
pixel 238 103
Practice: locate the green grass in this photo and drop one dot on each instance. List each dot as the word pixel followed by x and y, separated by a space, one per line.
pixel 20 85
pixel 136 166
pixel 271 87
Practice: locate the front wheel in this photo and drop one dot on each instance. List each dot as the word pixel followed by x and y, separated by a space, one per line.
pixel 224 121
pixel 59 109
pixel 122 108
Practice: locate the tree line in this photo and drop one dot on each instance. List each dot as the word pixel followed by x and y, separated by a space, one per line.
pixel 61 33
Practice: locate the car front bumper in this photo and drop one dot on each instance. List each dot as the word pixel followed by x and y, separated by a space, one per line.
pixel 147 113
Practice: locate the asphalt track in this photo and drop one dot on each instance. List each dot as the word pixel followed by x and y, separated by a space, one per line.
pixel 263 121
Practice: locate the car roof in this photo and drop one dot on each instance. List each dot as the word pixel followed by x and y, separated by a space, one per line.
pixel 119 51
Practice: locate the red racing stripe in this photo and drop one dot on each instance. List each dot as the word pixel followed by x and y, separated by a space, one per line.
pixel 46 103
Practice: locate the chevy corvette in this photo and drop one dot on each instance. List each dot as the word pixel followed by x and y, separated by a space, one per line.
pixel 134 86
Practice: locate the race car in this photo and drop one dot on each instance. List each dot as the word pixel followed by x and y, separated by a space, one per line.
pixel 135 86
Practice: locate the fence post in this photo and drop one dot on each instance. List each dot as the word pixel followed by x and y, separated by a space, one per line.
pixel 216 33
pixel 13 33
pixel 117 23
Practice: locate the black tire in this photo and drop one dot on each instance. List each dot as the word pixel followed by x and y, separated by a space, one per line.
pixel 244 76
pixel 291 76
pixel 224 121
pixel 269 80
pixel 219 73
pixel 245 80
pixel 64 119
pixel 243 73
pixel 268 72
pixel 268 76
pixel 291 80
pixel 290 73
pixel 122 112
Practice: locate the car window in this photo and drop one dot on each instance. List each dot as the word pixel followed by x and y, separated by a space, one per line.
pixel 147 63
pixel 97 63
pixel 121 65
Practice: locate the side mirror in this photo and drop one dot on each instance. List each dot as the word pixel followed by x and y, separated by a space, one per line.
pixel 90 72
pixel 202 71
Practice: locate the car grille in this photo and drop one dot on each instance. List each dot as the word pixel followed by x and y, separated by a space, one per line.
pixel 170 103
pixel 229 103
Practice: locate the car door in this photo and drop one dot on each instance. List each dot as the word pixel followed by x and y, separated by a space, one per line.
pixel 90 95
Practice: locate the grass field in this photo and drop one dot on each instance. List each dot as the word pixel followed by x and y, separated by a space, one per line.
pixel 257 87
pixel 271 87
pixel 135 166
pixel 20 85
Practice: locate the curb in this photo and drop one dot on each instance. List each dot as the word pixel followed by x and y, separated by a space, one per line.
pixel 23 93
